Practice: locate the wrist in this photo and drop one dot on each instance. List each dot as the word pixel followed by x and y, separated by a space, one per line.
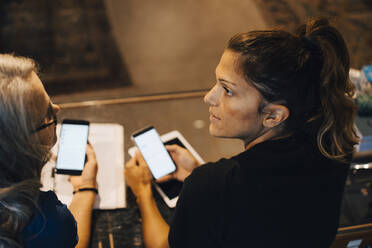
pixel 84 198
pixel 85 185
pixel 89 189
pixel 144 193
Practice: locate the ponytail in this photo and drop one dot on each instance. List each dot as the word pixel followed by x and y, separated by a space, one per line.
pixel 336 136
pixel 308 72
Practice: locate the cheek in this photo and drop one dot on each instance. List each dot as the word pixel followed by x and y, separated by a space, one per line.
pixel 244 111
pixel 48 136
pixel 243 117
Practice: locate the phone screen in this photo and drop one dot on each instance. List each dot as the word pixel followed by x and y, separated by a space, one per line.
pixel 72 147
pixel 154 152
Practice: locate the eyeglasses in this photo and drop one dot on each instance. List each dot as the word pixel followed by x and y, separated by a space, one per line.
pixel 51 122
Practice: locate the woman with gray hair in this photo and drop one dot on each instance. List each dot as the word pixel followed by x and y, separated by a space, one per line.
pixel 28 216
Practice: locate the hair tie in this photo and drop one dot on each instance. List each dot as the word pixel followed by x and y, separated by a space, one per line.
pixel 311 46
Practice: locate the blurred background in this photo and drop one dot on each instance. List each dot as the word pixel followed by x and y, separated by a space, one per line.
pixel 138 63
pixel 104 49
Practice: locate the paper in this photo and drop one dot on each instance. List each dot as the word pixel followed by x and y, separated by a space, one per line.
pixel 108 142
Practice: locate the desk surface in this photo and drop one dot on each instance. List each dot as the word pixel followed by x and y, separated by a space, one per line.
pixel 190 116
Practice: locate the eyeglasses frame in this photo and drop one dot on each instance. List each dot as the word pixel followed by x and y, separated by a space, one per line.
pixel 53 121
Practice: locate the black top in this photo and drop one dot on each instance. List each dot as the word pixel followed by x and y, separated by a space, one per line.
pixel 279 193
pixel 52 225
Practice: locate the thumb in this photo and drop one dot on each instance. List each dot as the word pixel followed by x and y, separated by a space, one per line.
pixel 173 149
pixel 140 159
pixel 90 152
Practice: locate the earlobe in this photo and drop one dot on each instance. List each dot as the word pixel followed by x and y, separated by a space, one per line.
pixel 276 115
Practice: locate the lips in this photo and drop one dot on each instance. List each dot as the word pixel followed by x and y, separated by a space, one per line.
pixel 212 117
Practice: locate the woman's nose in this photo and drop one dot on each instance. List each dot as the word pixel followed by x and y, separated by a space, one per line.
pixel 56 108
pixel 211 97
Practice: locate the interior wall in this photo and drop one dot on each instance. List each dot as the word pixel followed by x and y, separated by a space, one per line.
pixel 70 40
pixel 175 45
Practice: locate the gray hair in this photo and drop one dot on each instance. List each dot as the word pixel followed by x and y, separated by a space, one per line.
pixel 21 153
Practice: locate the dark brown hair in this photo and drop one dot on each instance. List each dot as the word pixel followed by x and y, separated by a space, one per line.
pixel 308 72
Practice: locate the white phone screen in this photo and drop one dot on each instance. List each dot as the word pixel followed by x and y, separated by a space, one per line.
pixel 72 146
pixel 154 152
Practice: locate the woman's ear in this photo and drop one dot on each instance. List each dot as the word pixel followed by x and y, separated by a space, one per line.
pixel 274 115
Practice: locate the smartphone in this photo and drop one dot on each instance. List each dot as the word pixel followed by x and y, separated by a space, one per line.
pixel 170 190
pixel 154 152
pixel 73 141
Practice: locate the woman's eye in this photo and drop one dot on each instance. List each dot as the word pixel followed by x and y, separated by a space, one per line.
pixel 228 91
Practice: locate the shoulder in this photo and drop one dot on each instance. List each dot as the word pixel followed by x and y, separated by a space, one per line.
pixel 52 223
pixel 198 211
pixel 48 198
pixel 219 168
pixel 210 179
pixel 213 173
pixel 53 208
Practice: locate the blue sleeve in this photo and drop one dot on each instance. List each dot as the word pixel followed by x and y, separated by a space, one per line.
pixel 52 225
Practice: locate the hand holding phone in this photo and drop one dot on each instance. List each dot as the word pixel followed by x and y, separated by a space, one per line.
pixel 88 177
pixel 170 189
pixel 154 152
pixel 184 160
pixel 137 175
pixel 72 147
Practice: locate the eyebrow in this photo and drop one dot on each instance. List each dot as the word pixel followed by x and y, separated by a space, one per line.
pixel 226 81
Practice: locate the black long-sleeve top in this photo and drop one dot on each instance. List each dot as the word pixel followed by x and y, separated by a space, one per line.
pixel 279 193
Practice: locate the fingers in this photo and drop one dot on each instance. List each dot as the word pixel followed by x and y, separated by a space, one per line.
pixel 148 175
pixel 172 148
pixel 136 174
pixel 141 163
pixel 174 151
pixel 165 178
pixel 91 155
pixel 90 152
pixel 139 159
pixel 91 167
pixel 132 162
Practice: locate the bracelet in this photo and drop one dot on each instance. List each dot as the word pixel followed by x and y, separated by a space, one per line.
pixel 86 189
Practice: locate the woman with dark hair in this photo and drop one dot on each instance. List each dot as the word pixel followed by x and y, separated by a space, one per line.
pixel 29 217
pixel 288 97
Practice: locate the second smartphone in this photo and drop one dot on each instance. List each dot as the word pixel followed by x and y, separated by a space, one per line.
pixel 73 141
pixel 154 152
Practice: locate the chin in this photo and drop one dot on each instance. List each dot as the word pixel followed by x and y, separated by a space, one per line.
pixel 221 133
pixel 53 142
pixel 215 132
